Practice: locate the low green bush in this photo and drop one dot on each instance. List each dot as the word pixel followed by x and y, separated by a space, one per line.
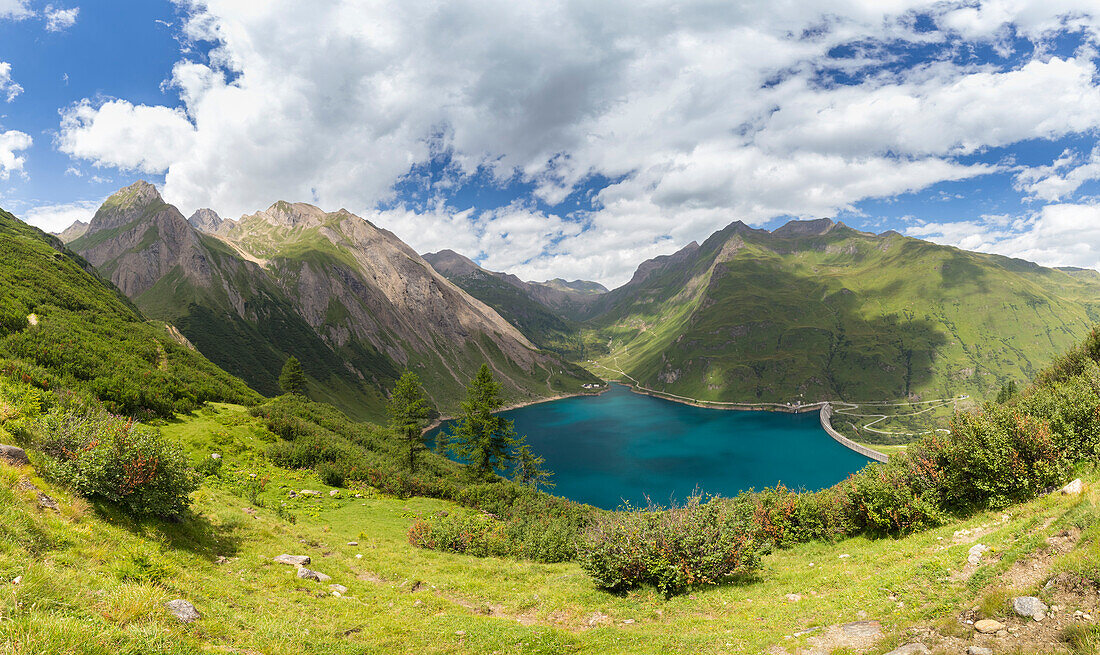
pixel 102 456
pixel 672 549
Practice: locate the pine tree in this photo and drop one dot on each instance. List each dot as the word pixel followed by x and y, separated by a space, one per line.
pixel 483 440
pixel 529 467
pixel 409 414
pixel 293 378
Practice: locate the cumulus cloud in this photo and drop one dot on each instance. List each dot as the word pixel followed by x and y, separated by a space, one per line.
pixel 1063 234
pixel 58 20
pixel 15 9
pixel 8 87
pixel 701 112
pixel 55 218
pixel 117 133
pixel 1061 178
pixel 11 143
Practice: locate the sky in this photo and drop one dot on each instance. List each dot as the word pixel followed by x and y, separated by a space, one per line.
pixel 569 138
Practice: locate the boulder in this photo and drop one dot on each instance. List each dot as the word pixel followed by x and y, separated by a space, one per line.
pixel 334 493
pixel 307 574
pixel 988 626
pixel 338 588
pixel 45 502
pixel 293 560
pixel 978 650
pixel 974 555
pixel 309 492
pixel 1031 607
pixel 183 610
pixel 1073 488
pixel 910 649
pixel 14 455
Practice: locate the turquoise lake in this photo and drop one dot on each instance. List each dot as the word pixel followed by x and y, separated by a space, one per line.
pixel 622 446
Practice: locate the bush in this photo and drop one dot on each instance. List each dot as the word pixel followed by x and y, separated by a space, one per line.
pixel 109 457
pixel 480 535
pixel 673 549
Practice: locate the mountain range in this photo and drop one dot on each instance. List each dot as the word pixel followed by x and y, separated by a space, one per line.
pixel 810 311
pixel 352 302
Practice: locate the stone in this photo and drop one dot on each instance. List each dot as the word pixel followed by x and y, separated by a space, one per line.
pixel 910 649
pixel 14 455
pixel 309 492
pixel 862 629
pixel 794 598
pixel 215 456
pixel 334 493
pixel 1073 488
pixel 358 555
pixel 843 556
pixel 45 502
pixel 183 610
pixel 353 543
pixel 978 650
pixel 307 574
pixel 974 555
pixel 1002 633
pixel 988 626
pixel 293 560
pixel 338 587
pixel 598 618
pixel 1031 607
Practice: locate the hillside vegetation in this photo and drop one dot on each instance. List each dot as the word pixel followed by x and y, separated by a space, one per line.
pixel 819 311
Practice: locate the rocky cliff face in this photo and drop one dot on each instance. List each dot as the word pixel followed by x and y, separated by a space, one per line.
pixel 73 232
pixel 350 300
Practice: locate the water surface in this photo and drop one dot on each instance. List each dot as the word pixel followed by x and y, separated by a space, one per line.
pixel 624 446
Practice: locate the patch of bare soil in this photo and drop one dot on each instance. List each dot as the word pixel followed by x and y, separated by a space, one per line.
pixel 1030 571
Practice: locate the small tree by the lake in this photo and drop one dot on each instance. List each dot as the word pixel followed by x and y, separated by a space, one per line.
pixel 292 378
pixel 482 439
pixel 408 412
pixel 530 468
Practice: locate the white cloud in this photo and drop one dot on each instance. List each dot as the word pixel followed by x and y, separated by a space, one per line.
pixel 117 133
pixel 15 9
pixel 8 87
pixel 11 143
pixel 58 20
pixel 1061 178
pixel 1065 234
pixel 705 112
pixel 55 218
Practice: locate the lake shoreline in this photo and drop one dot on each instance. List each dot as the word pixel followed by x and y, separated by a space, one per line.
pixel 526 403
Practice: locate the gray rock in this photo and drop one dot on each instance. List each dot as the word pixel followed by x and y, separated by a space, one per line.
pixel 45 502
pixel 183 610
pixel 1031 607
pixel 1073 488
pixel 862 629
pixel 338 588
pixel 14 455
pixel 307 574
pixel 974 555
pixel 293 560
pixel 978 650
pixel 309 492
pixel 910 649
pixel 794 598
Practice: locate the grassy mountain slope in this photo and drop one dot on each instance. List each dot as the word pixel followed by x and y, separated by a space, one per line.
pixel 350 301
pixel 821 311
pixel 95 581
pixel 61 326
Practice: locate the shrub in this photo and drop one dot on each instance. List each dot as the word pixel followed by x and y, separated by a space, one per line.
pixel 672 549
pixel 110 457
pixel 480 535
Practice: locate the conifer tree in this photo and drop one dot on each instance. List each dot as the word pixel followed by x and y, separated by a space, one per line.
pixel 529 467
pixel 293 379
pixel 408 412
pixel 485 441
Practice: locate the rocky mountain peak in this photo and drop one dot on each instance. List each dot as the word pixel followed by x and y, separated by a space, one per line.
pixel 292 214
pixel 206 220
pixel 126 205
pixel 73 232
pixel 449 262
pixel 815 227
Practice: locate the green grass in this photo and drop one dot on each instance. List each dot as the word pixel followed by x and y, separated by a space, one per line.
pixel 95 581
pixel 841 316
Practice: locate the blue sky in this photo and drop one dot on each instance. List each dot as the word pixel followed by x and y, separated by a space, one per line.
pixel 567 139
